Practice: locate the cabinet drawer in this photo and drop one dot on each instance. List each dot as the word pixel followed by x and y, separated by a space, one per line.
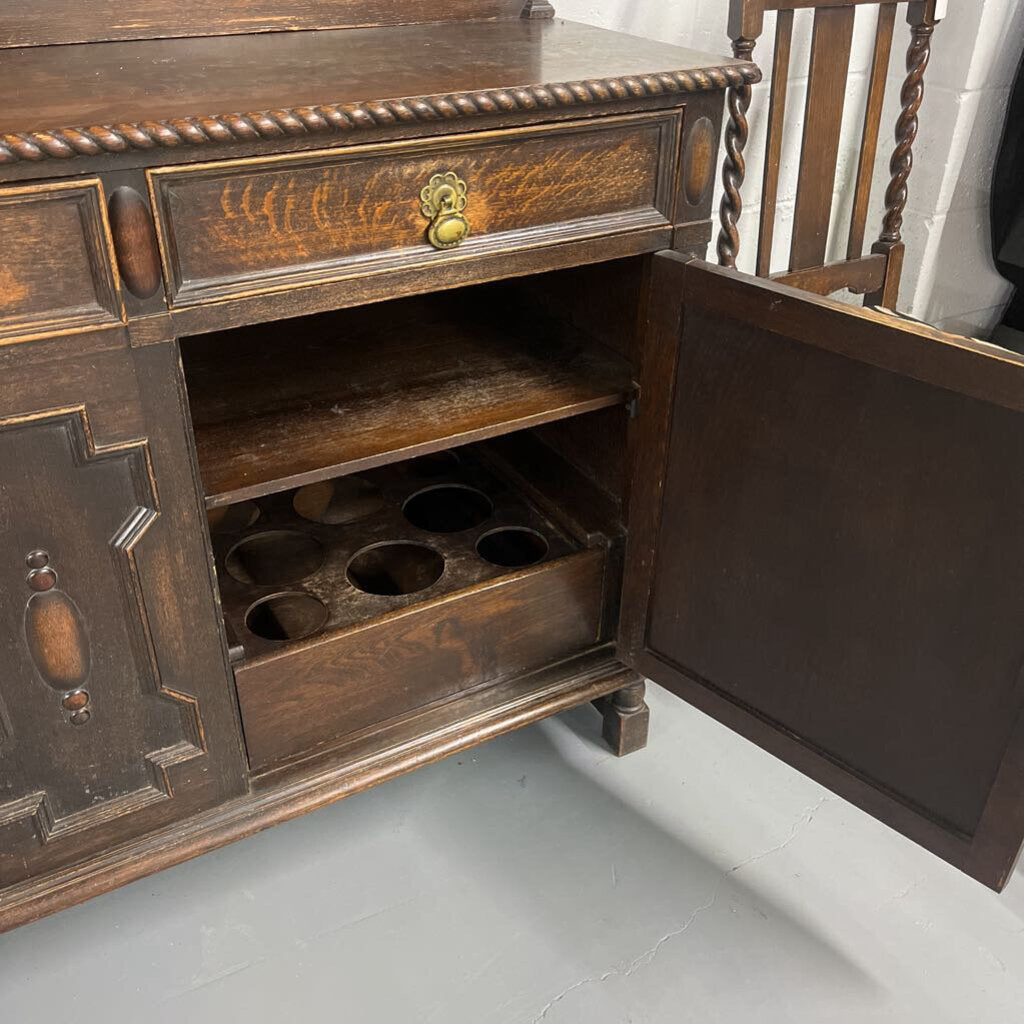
pixel 250 227
pixel 310 697
pixel 56 267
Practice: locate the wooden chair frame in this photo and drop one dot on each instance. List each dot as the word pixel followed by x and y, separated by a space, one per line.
pixel 876 275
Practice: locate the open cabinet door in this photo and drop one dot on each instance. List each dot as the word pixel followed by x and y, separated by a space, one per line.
pixel 826 549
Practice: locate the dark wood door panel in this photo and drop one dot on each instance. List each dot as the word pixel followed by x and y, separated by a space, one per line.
pixel 36 221
pixel 115 712
pixel 838 564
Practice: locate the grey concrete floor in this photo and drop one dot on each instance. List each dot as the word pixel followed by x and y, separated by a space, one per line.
pixel 538 878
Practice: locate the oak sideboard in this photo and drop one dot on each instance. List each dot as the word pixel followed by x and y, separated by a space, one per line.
pixel 365 394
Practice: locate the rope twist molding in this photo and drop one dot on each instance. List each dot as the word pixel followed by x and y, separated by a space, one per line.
pixel 221 129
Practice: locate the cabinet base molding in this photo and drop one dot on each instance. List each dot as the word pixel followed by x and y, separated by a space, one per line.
pixel 276 797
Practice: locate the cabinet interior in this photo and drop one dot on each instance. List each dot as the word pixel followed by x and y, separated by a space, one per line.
pixel 464 451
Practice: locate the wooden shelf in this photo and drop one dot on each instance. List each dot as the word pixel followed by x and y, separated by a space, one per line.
pixel 284 404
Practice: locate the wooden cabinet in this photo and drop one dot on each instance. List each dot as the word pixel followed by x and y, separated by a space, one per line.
pixel 115 707
pixel 477 435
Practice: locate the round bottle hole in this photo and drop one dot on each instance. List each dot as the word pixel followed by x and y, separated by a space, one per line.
pixel 275 557
pixel 232 518
pixel 512 547
pixel 395 568
pixel 336 502
pixel 435 464
pixel 448 508
pixel 286 616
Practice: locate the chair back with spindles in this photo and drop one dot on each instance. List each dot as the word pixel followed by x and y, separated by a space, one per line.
pixel 876 274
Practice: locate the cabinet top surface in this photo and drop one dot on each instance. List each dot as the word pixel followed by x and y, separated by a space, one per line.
pixel 84 100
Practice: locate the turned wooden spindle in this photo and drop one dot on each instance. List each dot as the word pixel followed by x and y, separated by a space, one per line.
pixel 735 168
pixel 902 162
pixel 923 17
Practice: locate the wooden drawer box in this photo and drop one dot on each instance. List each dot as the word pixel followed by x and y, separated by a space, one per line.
pixel 35 222
pixel 438 562
pixel 310 697
pixel 248 227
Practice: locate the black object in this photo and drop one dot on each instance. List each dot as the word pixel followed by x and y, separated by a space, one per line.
pixel 1008 208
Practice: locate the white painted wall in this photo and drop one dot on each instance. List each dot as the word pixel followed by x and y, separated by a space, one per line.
pixel 949 278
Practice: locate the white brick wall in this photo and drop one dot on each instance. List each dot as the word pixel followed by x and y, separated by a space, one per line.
pixel 949 278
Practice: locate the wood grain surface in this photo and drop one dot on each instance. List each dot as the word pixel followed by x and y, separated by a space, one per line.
pixel 250 226
pixel 48 22
pixel 36 221
pixel 313 695
pixel 153 83
pixel 838 569
pixel 292 402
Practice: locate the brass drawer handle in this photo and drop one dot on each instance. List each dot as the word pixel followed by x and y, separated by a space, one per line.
pixel 442 201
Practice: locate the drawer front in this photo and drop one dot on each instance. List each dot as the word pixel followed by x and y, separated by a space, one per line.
pixel 248 227
pixel 56 263
pixel 310 698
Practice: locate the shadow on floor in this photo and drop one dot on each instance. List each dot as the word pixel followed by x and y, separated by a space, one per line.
pixel 482 889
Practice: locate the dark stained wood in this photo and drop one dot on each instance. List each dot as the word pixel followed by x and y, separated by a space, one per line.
pixel 238 228
pixel 56 636
pixel 120 718
pixel 699 160
pixel 375 386
pixel 887 296
pixel 796 5
pixel 538 9
pixel 904 347
pixel 587 147
pixel 734 169
pixel 135 244
pixel 833 521
pixel 773 146
pixel 604 302
pixel 823 116
pixel 826 87
pixel 436 649
pixel 36 221
pixel 439 274
pixel 438 636
pixel 293 546
pixel 189 92
pixel 922 17
pixel 558 488
pixel 872 122
pixel 367 761
pixel 859 275
pixel 626 719
pixel 48 22
pixel 819 578
pixel 702 133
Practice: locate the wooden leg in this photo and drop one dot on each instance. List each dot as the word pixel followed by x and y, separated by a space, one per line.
pixel 626 717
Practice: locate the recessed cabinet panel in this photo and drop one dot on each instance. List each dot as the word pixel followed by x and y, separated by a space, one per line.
pixel 838 557
pixel 36 223
pixel 114 700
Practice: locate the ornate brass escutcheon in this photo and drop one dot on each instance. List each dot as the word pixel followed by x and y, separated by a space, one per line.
pixel 442 201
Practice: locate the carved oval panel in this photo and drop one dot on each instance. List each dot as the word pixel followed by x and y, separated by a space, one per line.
pixel 699 160
pixel 134 234
pixel 57 640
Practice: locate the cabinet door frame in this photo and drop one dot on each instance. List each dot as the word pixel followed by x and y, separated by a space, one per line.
pixel 909 350
pixel 121 689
